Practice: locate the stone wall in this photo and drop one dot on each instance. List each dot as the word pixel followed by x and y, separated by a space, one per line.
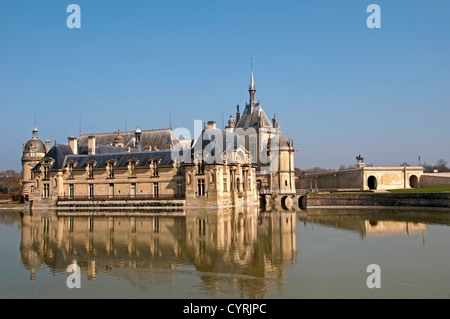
pixel 438 200
pixel 345 179
pixel 436 179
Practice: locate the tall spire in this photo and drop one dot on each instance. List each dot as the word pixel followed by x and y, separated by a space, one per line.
pixel 252 88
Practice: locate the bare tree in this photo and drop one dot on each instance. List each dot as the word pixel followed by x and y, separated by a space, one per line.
pixel 10 181
pixel 441 165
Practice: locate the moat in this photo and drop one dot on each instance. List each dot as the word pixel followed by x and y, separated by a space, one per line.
pixel 228 254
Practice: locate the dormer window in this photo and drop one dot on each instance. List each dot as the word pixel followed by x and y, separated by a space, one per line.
pixel 70 170
pixel 110 168
pixel 201 167
pixel 46 172
pixel 132 167
pixel 178 167
pixel 154 166
pixel 90 169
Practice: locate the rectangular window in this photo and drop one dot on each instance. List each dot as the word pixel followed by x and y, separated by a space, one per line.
pixel 201 187
pixel 201 167
pixel 111 223
pixel 133 190
pixel 46 191
pixel 155 189
pixel 46 172
pixel 91 191
pixel 111 190
pixel 71 191
pixel 156 224
pixel 91 224
pixel 133 224
pixel 179 187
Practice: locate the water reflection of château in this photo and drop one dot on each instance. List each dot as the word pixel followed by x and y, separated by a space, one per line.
pixel 239 247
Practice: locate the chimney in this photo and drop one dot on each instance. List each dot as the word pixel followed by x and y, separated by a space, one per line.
pixel 91 145
pixel 73 143
pixel 230 127
pixel 212 125
pixel 47 145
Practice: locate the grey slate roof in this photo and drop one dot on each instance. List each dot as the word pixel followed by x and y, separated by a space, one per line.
pixel 61 154
pixel 58 154
pixel 157 139
pixel 215 142
pixel 121 159
pixel 250 118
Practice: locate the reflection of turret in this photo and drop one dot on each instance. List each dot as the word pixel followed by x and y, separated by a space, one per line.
pixel 241 248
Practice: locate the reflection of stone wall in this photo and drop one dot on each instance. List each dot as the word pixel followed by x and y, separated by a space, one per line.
pixel 384 228
pixel 441 200
pixel 368 225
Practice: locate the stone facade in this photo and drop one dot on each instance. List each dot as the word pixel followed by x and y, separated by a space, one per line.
pixel 68 173
pixel 363 178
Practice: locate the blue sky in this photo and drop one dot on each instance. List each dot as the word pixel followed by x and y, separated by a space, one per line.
pixel 338 88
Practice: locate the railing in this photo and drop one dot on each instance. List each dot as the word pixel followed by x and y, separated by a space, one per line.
pixel 122 197
pixel 6 195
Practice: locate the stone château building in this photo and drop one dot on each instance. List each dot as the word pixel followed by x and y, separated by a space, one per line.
pixel 217 169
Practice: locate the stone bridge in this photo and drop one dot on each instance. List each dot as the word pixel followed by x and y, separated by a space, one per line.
pixel 277 201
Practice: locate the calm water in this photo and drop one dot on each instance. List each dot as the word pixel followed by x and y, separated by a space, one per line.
pixel 227 254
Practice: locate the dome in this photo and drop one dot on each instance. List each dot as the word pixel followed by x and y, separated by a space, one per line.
pixel 118 139
pixel 284 141
pixel 36 145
